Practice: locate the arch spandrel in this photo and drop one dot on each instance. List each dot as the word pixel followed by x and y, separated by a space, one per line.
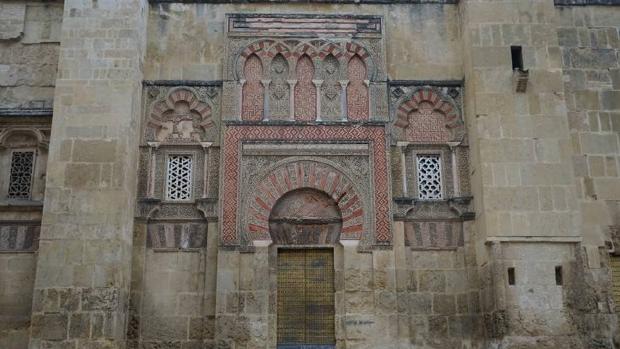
pixel 305 216
pixel 305 174
pixel 427 116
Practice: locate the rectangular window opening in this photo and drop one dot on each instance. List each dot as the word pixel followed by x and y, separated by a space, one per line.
pixel 511 276
pixel 559 276
pixel 179 178
pixel 20 180
pixel 429 177
pixel 516 53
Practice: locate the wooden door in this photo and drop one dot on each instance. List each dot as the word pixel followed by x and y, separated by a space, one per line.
pixel 305 299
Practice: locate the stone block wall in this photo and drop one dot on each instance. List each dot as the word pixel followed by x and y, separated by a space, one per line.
pixel 544 168
pixel 83 270
pixel 439 295
pixel 29 49
pixel 523 181
pixel 590 45
pixel 172 294
pixel 16 284
pixel 172 56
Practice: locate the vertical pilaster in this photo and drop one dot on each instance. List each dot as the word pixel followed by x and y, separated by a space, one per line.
pixel 84 265
pixel 522 182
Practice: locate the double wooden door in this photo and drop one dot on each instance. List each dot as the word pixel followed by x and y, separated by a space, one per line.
pixel 305 299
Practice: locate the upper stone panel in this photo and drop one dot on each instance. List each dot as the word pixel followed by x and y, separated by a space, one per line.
pixel 303 25
pixel 304 68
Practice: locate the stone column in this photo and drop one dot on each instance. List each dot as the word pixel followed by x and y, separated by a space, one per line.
pixel 291 99
pixel 241 84
pixel 205 176
pixel 83 271
pixel 367 83
pixel 455 172
pixel 343 100
pixel 402 148
pixel 317 84
pixel 265 99
pixel 153 146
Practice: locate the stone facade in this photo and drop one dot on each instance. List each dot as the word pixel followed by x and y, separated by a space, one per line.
pixel 455 163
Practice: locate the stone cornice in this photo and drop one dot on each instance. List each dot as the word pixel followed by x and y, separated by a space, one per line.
pixel 25 112
pixel 556 2
pixel 386 2
pixel 587 2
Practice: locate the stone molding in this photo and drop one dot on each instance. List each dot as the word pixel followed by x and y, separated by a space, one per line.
pixel 587 2
pixel 303 25
pixel 448 2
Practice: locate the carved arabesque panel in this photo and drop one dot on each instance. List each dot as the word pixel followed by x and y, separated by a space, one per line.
pixel 279 88
pixel 330 90
pixel 178 116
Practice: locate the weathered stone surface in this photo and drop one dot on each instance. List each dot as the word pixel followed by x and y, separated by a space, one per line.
pixel 541 176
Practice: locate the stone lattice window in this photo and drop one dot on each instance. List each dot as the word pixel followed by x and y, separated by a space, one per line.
pixel 429 177
pixel 20 183
pixel 179 177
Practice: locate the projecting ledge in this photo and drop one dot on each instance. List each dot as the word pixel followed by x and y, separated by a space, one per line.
pixel 520 239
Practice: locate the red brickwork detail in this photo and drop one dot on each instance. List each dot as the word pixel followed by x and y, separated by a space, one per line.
pixel 427 118
pixel 235 135
pixel 357 91
pixel 277 25
pixel 305 91
pixel 434 235
pixel 252 97
pixel 320 176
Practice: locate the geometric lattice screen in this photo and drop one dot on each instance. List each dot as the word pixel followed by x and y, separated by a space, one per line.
pixel 20 182
pixel 429 177
pixel 179 177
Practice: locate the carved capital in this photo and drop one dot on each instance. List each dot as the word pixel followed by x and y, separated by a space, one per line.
pixel 154 145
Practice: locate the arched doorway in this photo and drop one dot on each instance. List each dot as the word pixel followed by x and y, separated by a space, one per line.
pixel 305 223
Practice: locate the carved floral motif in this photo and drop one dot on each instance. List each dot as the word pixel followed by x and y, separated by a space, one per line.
pixel 180 118
pixel 278 88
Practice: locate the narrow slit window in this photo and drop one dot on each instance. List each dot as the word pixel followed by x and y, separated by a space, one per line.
pixel 559 276
pixel 429 177
pixel 20 181
pixel 179 177
pixel 516 53
pixel 511 276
